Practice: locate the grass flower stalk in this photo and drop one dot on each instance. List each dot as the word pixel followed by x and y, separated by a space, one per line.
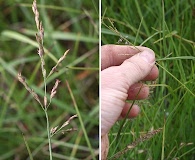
pixel 39 37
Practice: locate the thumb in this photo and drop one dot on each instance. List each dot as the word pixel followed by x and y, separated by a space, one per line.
pixel 137 67
pixel 130 71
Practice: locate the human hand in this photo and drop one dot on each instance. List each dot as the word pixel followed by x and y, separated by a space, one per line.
pixel 122 69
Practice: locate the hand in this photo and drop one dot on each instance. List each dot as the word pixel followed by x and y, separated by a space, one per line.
pixel 123 67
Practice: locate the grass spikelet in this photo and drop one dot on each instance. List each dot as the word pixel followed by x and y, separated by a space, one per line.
pixel 57 129
pixel 54 89
pixel 35 11
pixel 45 101
pixel 59 61
pixel 68 121
pixel 22 80
pixel 53 130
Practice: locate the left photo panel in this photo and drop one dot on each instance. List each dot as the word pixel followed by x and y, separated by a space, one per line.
pixel 49 80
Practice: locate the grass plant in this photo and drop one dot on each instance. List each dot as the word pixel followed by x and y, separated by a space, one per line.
pixel 165 127
pixel 71 27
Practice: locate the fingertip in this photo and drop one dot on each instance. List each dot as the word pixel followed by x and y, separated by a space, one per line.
pixel 134 111
pixel 138 91
pixel 148 56
pixel 153 75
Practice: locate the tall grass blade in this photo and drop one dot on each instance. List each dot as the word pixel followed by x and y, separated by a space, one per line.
pixel 27 147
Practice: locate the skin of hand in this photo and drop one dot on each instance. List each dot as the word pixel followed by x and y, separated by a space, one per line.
pixel 122 69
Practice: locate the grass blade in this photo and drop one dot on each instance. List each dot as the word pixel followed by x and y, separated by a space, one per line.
pixel 27 147
pixel 80 119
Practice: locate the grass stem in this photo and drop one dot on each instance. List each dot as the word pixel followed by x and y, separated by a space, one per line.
pixel 48 134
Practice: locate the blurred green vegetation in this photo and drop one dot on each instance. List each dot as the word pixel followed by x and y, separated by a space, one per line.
pixel 68 25
pixel 167 27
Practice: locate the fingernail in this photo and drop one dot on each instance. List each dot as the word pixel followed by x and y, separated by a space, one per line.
pixel 147 56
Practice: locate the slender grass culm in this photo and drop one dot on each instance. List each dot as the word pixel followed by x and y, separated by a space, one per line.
pixel 46 101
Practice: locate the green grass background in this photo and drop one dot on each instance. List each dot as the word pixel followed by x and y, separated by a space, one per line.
pixel 167 27
pixel 68 25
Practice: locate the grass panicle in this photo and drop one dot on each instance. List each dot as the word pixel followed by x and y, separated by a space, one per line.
pixel 143 138
pixel 132 145
pixel 39 38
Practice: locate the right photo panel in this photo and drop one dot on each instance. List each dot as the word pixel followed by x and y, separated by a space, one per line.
pixel 147 80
